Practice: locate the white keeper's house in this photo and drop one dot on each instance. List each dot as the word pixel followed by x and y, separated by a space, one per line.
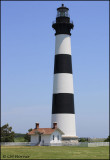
pixel 46 136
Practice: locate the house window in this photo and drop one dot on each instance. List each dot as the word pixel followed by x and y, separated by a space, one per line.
pixel 53 137
pixel 58 137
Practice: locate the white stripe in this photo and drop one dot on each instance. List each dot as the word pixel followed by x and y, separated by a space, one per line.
pixel 63 83
pixel 65 122
pixel 63 44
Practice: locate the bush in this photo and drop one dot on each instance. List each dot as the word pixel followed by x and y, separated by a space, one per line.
pixel 107 139
pixel 84 139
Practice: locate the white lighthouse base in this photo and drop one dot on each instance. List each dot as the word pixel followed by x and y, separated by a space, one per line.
pixel 66 123
pixel 69 140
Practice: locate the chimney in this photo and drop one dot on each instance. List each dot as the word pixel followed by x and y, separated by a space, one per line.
pixel 54 125
pixel 36 125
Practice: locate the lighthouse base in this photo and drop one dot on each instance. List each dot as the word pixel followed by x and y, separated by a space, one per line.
pixel 69 140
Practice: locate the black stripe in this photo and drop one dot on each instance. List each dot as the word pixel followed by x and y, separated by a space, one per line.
pixel 62 63
pixel 63 103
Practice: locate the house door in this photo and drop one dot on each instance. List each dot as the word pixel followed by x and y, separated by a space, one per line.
pixel 39 138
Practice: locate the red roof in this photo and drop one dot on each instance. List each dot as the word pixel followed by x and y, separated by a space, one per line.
pixel 44 131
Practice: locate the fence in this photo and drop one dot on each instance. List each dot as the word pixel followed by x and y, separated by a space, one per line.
pixel 80 144
pixel 96 144
pixel 17 144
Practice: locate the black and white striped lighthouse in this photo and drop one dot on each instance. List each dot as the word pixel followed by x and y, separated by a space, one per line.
pixel 63 111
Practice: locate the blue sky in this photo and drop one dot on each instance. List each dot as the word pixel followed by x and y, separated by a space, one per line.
pixel 28 48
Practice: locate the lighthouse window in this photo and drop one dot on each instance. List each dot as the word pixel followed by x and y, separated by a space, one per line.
pixel 62 13
pixel 53 137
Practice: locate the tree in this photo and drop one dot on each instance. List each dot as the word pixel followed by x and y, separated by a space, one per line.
pixel 28 137
pixel 107 139
pixel 7 135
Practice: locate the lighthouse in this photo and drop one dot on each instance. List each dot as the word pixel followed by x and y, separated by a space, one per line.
pixel 63 111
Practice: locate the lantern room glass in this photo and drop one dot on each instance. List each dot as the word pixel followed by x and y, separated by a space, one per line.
pixel 62 13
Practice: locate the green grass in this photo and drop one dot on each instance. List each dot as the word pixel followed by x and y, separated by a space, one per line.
pixel 55 152
pixel 19 139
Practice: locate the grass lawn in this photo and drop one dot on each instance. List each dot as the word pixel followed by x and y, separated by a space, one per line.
pixel 54 152
pixel 19 139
